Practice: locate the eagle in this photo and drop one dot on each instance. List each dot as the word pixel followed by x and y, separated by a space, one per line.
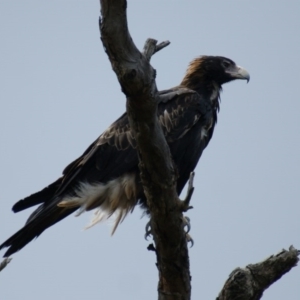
pixel 106 178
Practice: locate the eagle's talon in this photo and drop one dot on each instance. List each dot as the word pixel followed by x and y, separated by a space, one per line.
pixel 148 231
pixel 186 223
pixel 189 240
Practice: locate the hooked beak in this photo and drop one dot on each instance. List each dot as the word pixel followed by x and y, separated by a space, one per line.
pixel 239 73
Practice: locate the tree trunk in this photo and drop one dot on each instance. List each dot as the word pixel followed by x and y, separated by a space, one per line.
pixel 137 79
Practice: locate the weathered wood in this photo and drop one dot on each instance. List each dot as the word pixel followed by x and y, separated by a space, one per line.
pixel 158 173
pixel 250 282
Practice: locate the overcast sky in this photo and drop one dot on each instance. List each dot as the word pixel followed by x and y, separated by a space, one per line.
pixel 58 93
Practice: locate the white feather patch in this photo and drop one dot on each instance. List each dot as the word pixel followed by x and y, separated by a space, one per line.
pixel 203 133
pixel 215 93
pixel 116 197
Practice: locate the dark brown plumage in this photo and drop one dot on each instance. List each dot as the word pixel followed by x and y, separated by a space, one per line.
pixel 106 176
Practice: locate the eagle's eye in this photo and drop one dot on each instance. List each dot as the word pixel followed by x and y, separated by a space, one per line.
pixel 225 64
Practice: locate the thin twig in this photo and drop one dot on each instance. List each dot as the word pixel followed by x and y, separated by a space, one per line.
pixel 162 45
pixel 151 47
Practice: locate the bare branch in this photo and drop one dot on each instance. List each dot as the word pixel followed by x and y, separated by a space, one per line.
pixel 151 48
pixel 162 45
pixel 249 283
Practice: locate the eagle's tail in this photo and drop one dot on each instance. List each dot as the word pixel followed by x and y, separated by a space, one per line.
pixel 42 218
pixel 21 238
pixel 42 196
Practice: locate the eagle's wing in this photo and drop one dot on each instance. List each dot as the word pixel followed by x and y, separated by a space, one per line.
pixel 178 116
pixel 113 154
pixel 188 124
pixel 109 159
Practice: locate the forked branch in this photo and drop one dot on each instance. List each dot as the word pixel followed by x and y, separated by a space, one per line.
pixel 250 282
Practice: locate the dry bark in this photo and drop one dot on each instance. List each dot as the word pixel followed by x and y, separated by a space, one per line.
pixel 250 282
pixel 158 173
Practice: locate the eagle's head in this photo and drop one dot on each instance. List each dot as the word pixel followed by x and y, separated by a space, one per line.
pixel 207 70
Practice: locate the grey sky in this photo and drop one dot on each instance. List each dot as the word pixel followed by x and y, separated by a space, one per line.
pixel 58 93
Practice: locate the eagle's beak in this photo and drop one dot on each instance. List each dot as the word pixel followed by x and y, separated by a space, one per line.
pixel 239 73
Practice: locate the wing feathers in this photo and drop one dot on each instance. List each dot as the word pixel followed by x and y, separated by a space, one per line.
pixel 42 196
pixel 105 177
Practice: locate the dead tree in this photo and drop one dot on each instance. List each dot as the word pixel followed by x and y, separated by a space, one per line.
pixel 137 79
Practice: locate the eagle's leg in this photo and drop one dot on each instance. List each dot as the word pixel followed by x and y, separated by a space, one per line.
pixel 185 204
pixel 185 223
